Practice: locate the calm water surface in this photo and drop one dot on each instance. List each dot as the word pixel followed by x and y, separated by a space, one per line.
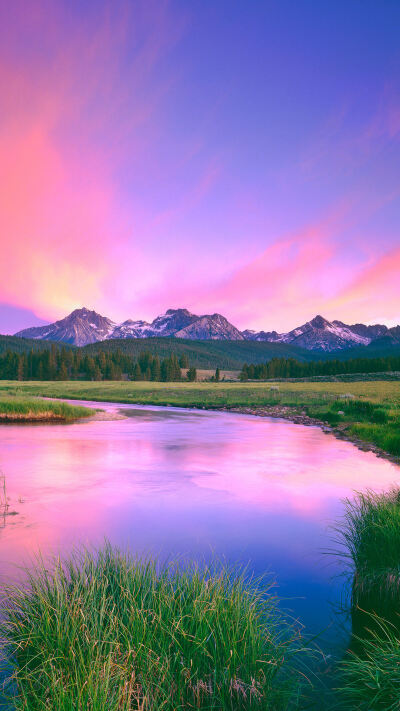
pixel 169 481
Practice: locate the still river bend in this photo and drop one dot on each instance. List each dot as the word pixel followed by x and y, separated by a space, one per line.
pixel 168 481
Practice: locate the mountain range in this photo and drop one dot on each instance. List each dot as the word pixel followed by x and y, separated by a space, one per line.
pixel 84 326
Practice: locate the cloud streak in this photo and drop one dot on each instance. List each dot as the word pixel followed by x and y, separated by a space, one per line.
pixel 66 124
pixel 141 169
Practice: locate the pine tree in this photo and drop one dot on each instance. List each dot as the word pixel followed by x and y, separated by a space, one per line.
pixel 175 368
pixel 97 373
pixel 137 373
pixel 90 367
pixel 63 373
pixel 184 361
pixel 156 369
pixel 20 368
pixel 192 374
pixel 164 375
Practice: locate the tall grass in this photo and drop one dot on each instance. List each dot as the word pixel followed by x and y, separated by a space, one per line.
pixel 103 631
pixel 14 408
pixel 371 680
pixel 386 437
pixel 369 536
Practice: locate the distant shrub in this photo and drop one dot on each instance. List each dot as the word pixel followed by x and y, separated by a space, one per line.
pixel 379 416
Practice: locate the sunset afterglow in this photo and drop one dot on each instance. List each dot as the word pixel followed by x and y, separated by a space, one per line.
pixel 173 154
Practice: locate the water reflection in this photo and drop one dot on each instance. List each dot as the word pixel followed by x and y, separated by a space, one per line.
pixel 171 481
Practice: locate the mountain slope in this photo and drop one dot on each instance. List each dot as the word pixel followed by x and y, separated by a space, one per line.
pixel 81 327
pixel 319 334
pixel 229 355
pixel 165 325
pixel 24 345
pixel 214 327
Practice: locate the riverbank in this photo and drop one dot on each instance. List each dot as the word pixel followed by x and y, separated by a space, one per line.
pixel 341 431
pixel 365 413
pixel 16 409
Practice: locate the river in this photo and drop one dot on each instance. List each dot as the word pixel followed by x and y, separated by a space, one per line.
pixel 167 481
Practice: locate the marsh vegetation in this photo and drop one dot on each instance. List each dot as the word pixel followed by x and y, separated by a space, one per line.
pixel 369 540
pixel 106 631
pixel 22 409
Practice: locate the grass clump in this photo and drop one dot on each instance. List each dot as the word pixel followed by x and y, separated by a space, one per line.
pixel 371 680
pixel 386 437
pixel 25 410
pixel 370 536
pixel 103 631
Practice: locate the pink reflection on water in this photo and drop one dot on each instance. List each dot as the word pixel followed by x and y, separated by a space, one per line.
pixel 294 468
pixel 178 480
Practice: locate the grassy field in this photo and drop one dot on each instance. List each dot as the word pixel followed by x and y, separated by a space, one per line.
pixel 106 632
pixel 209 394
pixel 368 410
pixel 22 409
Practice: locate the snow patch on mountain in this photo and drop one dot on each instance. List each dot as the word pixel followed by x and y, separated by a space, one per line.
pixel 84 326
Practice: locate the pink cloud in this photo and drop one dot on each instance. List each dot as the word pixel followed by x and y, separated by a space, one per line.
pixel 106 203
pixel 295 278
pixel 69 117
pixel 375 293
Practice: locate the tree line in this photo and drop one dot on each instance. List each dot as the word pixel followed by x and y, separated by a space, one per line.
pixel 66 364
pixel 291 368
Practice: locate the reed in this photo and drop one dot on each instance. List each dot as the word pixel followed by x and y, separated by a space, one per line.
pixel 369 539
pixel 106 631
pixel 370 681
pixel 103 631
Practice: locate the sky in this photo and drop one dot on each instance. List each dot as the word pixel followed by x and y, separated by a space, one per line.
pixel 234 157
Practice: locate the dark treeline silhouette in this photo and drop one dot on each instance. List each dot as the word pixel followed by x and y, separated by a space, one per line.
pixel 291 368
pixel 66 364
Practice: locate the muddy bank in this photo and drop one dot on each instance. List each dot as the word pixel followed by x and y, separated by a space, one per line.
pixel 45 416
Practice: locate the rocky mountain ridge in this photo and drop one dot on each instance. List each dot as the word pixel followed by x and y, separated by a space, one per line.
pixel 84 326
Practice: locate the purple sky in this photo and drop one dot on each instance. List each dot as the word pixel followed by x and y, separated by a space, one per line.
pixel 240 157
